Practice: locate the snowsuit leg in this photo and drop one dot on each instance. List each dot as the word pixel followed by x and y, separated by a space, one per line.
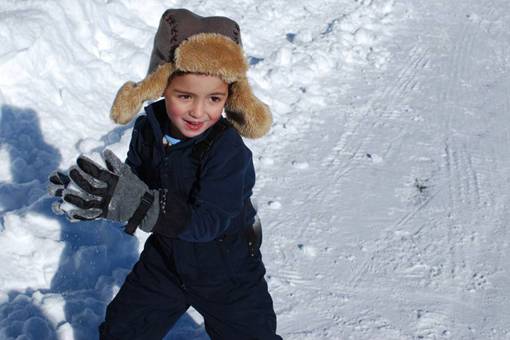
pixel 251 317
pixel 222 279
pixel 225 283
pixel 149 302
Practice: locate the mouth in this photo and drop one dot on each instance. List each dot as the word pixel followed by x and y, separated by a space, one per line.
pixel 194 126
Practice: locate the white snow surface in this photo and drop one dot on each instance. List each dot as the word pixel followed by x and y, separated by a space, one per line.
pixel 382 186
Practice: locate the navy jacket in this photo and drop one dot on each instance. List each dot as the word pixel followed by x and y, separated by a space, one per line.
pixel 192 208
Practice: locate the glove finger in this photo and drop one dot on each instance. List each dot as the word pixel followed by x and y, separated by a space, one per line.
pixel 81 202
pixel 85 181
pixel 81 218
pixel 55 190
pixel 84 215
pixel 113 163
pixel 59 178
pixel 56 183
pixel 71 219
pixel 93 169
pixel 56 207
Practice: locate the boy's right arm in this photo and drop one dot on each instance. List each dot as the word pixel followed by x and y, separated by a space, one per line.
pixel 134 158
pixel 59 181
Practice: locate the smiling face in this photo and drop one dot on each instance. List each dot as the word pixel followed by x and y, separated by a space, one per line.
pixel 194 103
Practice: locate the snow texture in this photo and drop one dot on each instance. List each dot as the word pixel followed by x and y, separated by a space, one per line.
pixel 382 186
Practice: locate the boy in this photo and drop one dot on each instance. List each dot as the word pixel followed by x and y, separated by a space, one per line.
pixel 188 180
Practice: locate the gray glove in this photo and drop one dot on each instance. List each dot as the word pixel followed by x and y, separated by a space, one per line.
pixel 114 193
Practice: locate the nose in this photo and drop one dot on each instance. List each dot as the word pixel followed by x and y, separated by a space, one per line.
pixel 198 110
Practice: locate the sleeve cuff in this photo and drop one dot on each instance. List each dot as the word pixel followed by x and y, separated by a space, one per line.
pixel 151 217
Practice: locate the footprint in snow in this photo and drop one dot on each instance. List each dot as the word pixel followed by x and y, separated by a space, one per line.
pixel 300 165
pixel 376 159
pixel 266 160
pixel 307 250
pixel 274 205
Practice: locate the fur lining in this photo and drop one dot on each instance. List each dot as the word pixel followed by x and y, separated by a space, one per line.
pixel 251 117
pixel 130 97
pixel 212 54
pixel 206 53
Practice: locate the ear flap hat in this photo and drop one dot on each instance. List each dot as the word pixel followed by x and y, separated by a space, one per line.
pixel 187 42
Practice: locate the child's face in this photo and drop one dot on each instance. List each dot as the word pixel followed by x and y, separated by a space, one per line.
pixel 194 103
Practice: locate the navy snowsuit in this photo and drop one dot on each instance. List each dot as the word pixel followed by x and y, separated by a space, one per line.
pixel 198 253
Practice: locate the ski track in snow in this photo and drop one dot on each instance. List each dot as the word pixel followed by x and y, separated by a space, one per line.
pixel 382 186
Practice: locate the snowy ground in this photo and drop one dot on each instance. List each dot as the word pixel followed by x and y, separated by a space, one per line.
pixel 383 185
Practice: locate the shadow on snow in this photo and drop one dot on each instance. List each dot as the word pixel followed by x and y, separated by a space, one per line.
pixel 97 255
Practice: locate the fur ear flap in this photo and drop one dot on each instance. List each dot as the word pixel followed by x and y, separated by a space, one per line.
pixel 131 96
pixel 251 117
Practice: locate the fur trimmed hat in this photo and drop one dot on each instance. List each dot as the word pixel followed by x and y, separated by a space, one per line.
pixel 188 42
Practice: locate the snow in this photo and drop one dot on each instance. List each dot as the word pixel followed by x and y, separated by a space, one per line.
pixel 382 186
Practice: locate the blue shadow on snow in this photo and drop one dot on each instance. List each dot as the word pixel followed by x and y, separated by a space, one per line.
pixel 96 257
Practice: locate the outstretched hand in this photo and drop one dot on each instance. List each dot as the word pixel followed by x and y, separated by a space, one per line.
pixel 113 192
pixel 96 186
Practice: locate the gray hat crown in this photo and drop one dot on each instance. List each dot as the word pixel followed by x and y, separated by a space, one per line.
pixel 177 25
